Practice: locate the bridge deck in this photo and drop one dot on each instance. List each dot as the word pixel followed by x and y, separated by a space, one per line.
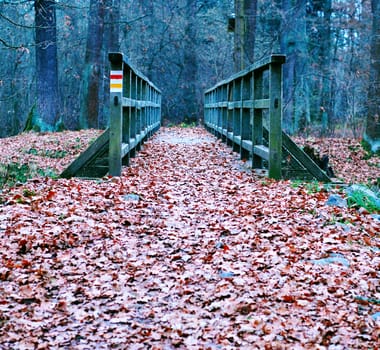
pixel 187 250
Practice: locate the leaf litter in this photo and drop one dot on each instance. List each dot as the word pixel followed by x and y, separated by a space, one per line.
pixel 185 251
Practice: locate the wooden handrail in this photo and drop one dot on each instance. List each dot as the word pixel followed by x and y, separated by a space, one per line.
pixel 234 110
pixel 135 111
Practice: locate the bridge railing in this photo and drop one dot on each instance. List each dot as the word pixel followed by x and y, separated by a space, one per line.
pixel 135 114
pixel 135 111
pixel 245 110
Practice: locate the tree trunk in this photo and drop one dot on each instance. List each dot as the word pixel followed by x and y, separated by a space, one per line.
pixel 238 36
pixel 372 133
pixel 94 60
pixel 111 43
pixel 250 13
pixel 294 45
pixel 190 65
pixel 47 103
pixel 325 64
pixel 244 33
pixel 114 37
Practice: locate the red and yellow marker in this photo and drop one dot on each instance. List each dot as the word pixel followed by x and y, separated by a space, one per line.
pixel 116 84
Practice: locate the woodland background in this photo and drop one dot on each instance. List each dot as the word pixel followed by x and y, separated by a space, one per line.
pixel 54 66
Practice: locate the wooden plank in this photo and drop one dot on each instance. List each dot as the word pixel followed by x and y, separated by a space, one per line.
pixel 248 104
pixel 261 103
pixel 124 149
pixel 86 157
pixel 235 105
pixel 222 104
pixel 247 145
pixel 129 102
pixel 261 151
pixel 236 139
pixel 258 65
pixel 132 143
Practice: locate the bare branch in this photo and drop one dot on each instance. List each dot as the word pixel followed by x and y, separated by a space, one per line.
pixel 7 2
pixel 9 45
pixel 15 23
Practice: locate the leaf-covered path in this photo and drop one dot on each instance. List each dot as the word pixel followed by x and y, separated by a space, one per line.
pixel 187 250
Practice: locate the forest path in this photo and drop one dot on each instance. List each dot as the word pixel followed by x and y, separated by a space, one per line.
pixel 193 176
pixel 186 250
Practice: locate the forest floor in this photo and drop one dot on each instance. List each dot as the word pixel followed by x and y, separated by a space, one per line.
pixel 188 249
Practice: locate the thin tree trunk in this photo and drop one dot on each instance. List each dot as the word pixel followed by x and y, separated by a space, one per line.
pixel 190 64
pixel 239 35
pixel 47 104
pixel 114 38
pixel 94 60
pixel 111 43
pixel 294 45
pixel 250 12
pixel 244 33
pixel 325 62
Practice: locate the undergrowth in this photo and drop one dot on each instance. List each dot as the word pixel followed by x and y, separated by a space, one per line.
pixel 368 152
pixel 310 187
pixel 13 173
pixel 363 197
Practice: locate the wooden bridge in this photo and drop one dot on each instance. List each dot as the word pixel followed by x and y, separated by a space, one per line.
pixel 244 110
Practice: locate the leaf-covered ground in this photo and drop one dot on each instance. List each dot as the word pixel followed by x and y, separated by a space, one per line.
pixel 347 158
pixel 187 250
pixel 51 152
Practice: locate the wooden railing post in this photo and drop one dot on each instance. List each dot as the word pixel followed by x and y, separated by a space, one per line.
pixel 135 108
pixel 116 114
pixel 275 120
